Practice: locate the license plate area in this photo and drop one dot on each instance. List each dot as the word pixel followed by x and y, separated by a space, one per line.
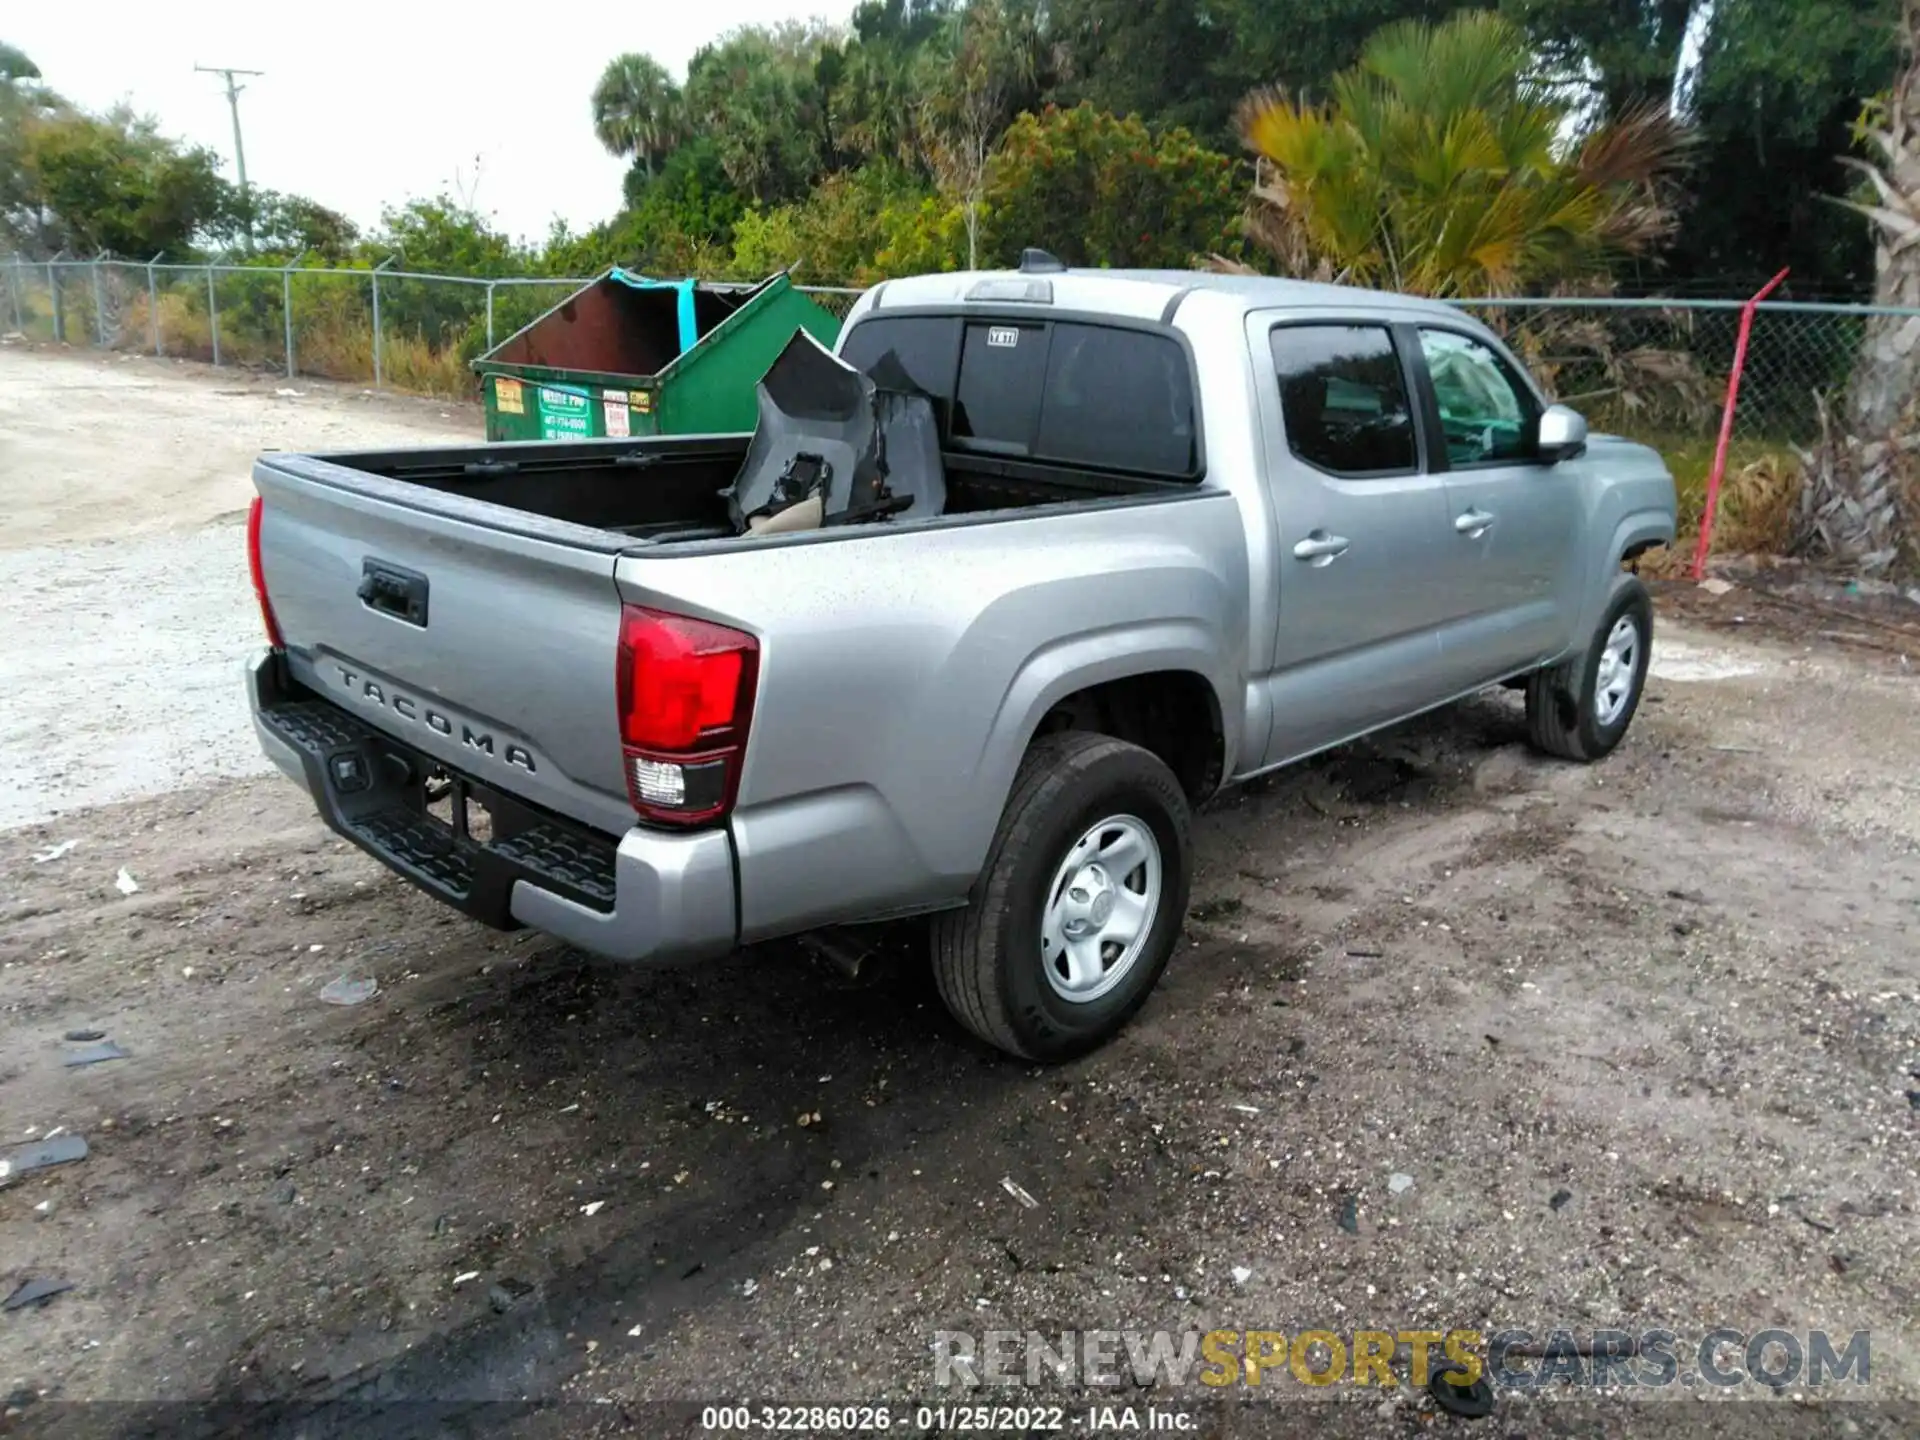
pixel 463 840
pixel 452 802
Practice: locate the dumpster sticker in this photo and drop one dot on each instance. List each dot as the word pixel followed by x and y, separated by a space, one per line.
pixel 617 416
pixel 507 395
pixel 565 414
pixel 643 401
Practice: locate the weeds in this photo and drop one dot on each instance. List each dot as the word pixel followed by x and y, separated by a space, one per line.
pixel 331 341
pixel 1759 495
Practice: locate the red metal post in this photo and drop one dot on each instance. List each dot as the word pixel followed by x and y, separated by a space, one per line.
pixel 1715 475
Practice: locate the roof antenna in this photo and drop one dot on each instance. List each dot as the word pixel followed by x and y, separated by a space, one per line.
pixel 1039 262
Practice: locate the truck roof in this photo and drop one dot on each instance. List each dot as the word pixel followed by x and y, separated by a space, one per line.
pixel 1142 294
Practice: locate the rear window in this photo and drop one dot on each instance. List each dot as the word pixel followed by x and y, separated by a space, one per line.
pixel 1067 393
pixel 920 345
pixel 1003 375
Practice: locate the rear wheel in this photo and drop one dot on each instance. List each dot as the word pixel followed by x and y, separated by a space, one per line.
pixel 1080 903
pixel 1581 709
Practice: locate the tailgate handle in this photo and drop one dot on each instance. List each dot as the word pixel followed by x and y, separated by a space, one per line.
pixel 394 591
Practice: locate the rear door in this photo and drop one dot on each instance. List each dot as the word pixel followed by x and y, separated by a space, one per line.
pixel 1511 577
pixel 1362 528
pixel 485 638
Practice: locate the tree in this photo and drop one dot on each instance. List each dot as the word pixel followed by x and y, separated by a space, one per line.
pixel 1296 45
pixel 23 101
pixel 1096 190
pixel 856 228
pixel 1438 167
pixel 1861 491
pixel 990 66
pixel 678 223
pixel 1185 62
pixel 114 183
pixel 760 95
pixel 443 237
pixel 1627 50
pixel 14 65
pixel 1777 90
pixel 638 111
pixel 1150 58
pixel 291 226
pixel 889 67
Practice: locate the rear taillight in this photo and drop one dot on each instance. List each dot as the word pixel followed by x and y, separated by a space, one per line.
pixel 259 579
pixel 686 697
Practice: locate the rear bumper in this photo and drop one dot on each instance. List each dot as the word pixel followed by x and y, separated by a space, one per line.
pixel 648 896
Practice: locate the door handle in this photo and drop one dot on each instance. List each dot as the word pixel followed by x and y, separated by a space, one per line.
pixel 1474 523
pixel 1320 548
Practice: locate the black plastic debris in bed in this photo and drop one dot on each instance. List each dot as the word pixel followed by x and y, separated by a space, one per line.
pixel 834 447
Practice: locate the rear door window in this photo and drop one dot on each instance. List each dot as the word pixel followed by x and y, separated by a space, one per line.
pixel 1343 398
pixel 1118 399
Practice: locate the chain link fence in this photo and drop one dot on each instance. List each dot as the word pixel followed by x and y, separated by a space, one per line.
pixel 1643 367
pixel 1656 370
pixel 390 328
pixel 1662 365
pixel 1653 369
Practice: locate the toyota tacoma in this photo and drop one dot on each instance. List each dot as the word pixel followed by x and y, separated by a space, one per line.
pixel 1185 529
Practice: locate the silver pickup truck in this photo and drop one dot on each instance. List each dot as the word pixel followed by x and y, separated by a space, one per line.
pixel 1194 527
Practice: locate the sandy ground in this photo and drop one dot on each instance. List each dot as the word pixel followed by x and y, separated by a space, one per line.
pixel 124 597
pixel 1641 1036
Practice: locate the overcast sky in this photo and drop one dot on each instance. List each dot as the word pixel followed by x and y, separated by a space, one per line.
pixel 357 113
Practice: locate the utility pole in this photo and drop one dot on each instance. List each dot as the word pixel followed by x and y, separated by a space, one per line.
pixel 239 151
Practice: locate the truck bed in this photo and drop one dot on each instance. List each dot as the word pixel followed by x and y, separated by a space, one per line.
pixel 469 599
pixel 660 491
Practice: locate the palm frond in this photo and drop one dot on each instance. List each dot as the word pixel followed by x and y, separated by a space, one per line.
pixel 1437 165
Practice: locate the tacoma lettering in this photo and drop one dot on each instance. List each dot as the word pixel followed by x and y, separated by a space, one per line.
pixel 408 708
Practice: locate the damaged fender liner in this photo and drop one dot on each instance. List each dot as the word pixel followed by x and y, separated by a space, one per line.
pixel 375 791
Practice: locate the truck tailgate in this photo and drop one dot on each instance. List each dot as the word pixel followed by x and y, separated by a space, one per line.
pixel 435 617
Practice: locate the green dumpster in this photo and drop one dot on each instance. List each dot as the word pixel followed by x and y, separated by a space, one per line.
pixel 626 355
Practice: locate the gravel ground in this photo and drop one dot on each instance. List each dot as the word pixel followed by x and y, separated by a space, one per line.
pixel 124 597
pixel 1640 1035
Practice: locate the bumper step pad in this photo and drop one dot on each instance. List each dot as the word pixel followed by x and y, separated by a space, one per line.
pixel 383 809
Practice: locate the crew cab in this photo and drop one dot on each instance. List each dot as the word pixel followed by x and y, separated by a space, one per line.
pixel 1195 527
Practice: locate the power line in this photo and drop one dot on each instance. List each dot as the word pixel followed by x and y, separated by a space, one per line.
pixel 239 151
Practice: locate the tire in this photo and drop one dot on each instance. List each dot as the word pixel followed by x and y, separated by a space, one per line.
pixel 1564 708
pixel 989 959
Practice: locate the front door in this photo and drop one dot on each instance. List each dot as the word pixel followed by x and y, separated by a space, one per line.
pixel 1512 578
pixel 1362 529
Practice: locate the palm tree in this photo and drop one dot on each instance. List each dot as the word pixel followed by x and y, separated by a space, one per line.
pixel 637 110
pixel 1860 497
pixel 1445 165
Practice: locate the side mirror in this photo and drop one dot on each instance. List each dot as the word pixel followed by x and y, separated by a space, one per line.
pixel 1563 435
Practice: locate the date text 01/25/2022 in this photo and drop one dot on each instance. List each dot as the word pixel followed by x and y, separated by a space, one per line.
pixel 941 1419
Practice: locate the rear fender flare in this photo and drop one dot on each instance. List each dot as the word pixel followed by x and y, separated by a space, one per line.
pixel 1077 662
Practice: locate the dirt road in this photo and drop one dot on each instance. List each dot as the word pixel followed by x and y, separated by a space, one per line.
pixel 1644 1038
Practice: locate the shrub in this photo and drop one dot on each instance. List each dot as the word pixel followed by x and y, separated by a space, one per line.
pixel 1098 190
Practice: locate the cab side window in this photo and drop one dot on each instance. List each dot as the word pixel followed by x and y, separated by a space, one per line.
pixel 1343 399
pixel 1487 416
